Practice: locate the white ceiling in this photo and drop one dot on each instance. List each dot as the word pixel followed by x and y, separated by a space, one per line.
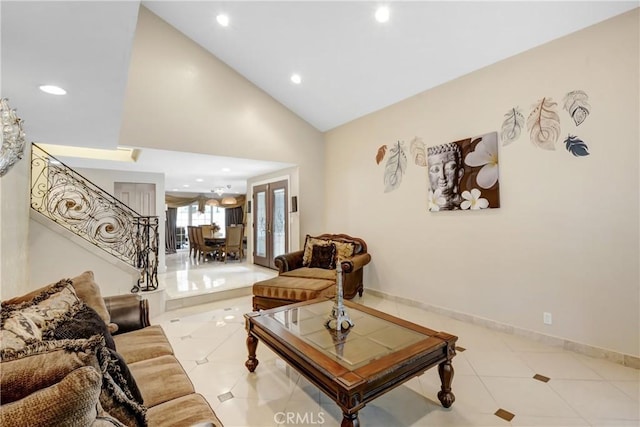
pixel 350 64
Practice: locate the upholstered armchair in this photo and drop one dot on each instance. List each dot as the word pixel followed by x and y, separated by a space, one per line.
pixel 351 251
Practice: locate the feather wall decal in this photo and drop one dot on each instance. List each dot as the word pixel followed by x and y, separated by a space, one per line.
pixel 544 124
pixel 576 146
pixel 417 152
pixel 380 154
pixel 512 126
pixel 395 167
pixel 577 104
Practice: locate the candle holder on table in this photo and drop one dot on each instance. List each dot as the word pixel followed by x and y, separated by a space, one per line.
pixel 339 318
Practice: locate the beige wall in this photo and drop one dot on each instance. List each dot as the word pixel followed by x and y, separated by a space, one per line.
pixel 180 97
pixel 565 239
pixel 14 228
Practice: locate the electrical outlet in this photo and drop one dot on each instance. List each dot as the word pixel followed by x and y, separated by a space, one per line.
pixel 546 318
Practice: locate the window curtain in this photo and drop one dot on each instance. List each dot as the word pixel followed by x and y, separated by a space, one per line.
pixel 234 216
pixel 203 200
pixel 170 230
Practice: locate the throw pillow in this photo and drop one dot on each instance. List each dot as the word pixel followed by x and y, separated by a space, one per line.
pixel 70 402
pixel 344 249
pixel 89 292
pixel 323 256
pixel 117 397
pixel 309 243
pixel 23 376
pixel 22 323
pixel 81 321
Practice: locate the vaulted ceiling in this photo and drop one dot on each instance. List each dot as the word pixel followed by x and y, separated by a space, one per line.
pixel 349 64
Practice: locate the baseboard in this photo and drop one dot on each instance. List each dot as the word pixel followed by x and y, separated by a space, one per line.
pixel 588 350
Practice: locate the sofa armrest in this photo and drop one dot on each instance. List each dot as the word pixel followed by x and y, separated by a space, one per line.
pixel 129 312
pixel 288 262
pixel 356 262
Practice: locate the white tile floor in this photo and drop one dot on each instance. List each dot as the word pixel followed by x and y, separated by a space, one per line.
pixel 494 372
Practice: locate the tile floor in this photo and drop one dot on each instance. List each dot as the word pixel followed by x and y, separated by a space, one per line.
pixel 494 372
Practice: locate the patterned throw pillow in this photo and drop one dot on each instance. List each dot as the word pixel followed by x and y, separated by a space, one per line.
pixel 344 249
pixel 309 243
pixel 323 256
pixel 22 323
pixel 81 321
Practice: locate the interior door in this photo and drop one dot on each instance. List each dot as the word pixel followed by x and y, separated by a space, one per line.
pixel 270 222
pixel 139 197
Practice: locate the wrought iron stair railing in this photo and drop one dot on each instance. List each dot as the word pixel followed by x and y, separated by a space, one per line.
pixel 75 203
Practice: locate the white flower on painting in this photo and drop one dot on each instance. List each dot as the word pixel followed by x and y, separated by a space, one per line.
pixel 472 200
pixel 485 155
pixel 436 200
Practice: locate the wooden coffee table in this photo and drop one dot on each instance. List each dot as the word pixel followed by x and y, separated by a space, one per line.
pixel 353 367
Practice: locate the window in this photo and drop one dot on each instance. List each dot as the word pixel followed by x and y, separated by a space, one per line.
pixel 189 215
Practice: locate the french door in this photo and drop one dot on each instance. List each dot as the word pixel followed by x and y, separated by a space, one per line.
pixel 270 222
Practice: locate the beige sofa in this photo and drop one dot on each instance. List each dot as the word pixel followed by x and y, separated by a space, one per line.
pixel 301 278
pixel 57 369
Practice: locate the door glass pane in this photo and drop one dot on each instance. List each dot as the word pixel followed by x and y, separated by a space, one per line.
pixel 278 222
pixel 261 224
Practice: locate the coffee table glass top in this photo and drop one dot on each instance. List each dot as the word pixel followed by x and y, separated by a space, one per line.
pixel 370 338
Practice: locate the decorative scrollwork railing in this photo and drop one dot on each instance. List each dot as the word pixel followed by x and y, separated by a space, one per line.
pixel 75 203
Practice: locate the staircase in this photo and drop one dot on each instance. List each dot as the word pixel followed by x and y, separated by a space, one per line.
pixel 67 198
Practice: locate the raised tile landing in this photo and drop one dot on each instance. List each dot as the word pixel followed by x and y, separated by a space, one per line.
pixel 188 282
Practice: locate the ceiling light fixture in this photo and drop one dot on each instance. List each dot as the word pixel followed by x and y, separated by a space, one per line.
pixel 295 78
pixel 226 170
pixel 221 190
pixel 223 20
pixel 382 14
pixel 229 201
pixel 199 179
pixel 52 90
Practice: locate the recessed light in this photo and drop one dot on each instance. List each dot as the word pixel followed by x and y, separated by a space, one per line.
pixel 382 14
pixel 186 185
pixel 226 170
pixel 52 90
pixel 175 189
pixel 295 78
pixel 223 20
pixel 199 179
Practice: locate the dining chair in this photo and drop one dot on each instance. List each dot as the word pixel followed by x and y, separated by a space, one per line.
pixel 203 249
pixel 207 230
pixel 193 243
pixel 233 242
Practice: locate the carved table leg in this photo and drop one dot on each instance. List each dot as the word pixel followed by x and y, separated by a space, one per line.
pixel 252 362
pixel 350 420
pixel 446 397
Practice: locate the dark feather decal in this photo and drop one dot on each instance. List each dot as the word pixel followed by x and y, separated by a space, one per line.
pixel 576 146
pixel 395 167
